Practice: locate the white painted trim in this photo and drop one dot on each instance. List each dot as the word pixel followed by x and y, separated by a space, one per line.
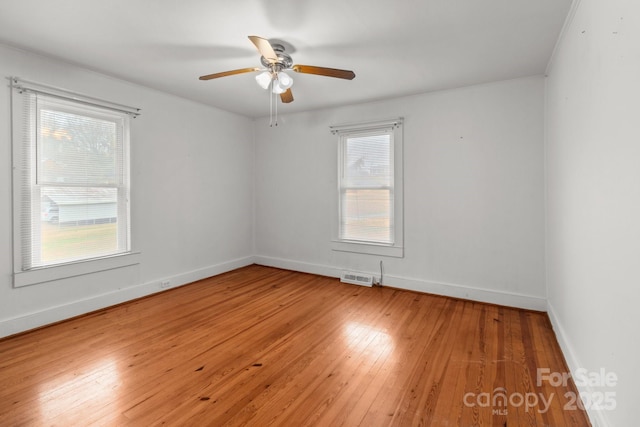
pixel 65 311
pixel 303 267
pixel 80 268
pixel 509 299
pixel 597 418
pixel 206 272
pixel 565 27
pixel 367 248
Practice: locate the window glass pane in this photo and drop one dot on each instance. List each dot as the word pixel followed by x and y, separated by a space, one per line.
pixel 77 149
pixel 366 215
pixel 77 223
pixel 367 182
pixel 368 161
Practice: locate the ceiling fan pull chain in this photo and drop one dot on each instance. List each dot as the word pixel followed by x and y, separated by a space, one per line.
pixel 271 105
pixel 275 99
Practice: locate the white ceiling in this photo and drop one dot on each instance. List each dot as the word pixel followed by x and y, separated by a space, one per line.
pixel 395 47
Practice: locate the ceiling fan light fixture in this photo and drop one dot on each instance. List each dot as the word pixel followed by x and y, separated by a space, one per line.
pixel 277 88
pixel 284 80
pixel 264 79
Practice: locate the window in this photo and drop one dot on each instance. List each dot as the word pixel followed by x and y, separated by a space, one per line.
pixel 71 186
pixel 366 190
pixel 369 201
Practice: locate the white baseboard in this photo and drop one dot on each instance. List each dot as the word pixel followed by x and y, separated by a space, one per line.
pixel 76 308
pixel 597 418
pixel 65 311
pixel 303 267
pixel 446 289
pixel 210 271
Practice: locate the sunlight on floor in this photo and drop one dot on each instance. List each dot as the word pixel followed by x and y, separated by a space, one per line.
pixel 62 396
pixel 374 343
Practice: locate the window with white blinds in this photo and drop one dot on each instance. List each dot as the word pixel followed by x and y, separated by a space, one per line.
pixel 366 187
pixel 71 181
pixel 370 188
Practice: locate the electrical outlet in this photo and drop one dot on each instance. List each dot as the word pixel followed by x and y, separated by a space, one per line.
pixel 165 284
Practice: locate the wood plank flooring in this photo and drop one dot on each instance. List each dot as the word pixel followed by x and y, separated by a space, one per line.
pixel 261 346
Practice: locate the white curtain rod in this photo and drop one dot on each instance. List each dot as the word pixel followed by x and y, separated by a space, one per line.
pixel 33 87
pixel 392 123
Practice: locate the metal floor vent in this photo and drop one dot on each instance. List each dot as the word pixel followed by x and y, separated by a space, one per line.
pixel 356 278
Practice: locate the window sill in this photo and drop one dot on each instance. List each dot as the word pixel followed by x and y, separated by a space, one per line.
pixel 368 249
pixel 58 272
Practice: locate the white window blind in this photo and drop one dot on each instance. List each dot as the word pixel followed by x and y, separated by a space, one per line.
pixel 72 174
pixel 366 200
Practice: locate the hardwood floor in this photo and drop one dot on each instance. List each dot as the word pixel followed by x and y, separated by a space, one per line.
pixel 261 346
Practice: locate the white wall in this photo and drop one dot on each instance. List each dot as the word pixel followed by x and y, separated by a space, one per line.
pixel 474 192
pixel 593 196
pixel 192 196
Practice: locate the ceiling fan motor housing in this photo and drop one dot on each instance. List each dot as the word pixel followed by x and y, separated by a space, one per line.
pixel 284 60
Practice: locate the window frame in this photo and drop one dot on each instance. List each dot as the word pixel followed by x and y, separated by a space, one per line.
pixel 25 125
pixel 394 127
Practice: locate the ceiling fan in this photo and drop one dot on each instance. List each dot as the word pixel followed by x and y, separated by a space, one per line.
pixel 276 61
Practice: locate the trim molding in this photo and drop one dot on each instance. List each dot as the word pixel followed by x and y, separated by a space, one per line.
pixel 58 313
pixel 563 31
pixel 81 268
pixel 597 418
pixel 65 311
pixel 445 289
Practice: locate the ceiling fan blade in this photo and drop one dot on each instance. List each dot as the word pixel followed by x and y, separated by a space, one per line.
pixel 322 71
pixel 286 96
pixel 229 73
pixel 265 48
